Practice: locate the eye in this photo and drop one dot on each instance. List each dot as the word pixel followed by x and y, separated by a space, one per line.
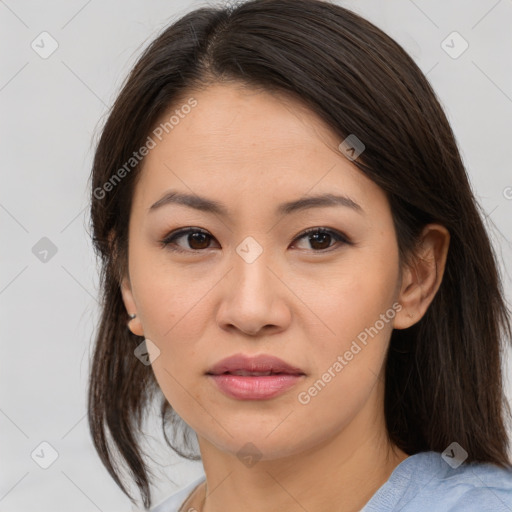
pixel 320 238
pixel 199 239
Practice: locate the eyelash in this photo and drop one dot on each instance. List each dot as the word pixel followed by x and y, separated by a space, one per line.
pixel 168 241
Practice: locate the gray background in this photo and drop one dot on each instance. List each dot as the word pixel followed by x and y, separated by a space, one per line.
pixel 51 112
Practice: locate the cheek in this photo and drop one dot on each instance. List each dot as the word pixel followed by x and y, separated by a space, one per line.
pixel 173 309
pixel 170 297
pixel 349 296
pixel 174 323
pixel 356 304
pixel 347 366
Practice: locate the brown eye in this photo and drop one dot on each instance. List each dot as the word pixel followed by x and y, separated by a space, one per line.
pixel 320 238
pixel 196 239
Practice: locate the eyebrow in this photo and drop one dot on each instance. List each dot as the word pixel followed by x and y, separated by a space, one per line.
pixel 210 206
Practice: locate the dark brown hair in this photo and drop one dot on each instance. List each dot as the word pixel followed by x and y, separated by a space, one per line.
pixel 443 375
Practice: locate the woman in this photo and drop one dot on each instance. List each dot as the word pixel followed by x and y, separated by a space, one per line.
pixel 293 261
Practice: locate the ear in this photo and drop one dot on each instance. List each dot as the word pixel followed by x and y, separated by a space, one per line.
pixel 422 277
pixel 134 325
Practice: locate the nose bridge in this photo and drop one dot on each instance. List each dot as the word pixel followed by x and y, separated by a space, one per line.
pixel 251 296
pixel 250 265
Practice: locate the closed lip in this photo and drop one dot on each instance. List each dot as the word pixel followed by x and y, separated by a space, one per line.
pixel 263 364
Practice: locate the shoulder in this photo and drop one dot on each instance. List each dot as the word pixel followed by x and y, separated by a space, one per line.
pixel 426 481
pixel 173 502
pixel 473 487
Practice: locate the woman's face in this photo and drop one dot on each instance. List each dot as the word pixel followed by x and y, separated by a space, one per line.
pixel 253 283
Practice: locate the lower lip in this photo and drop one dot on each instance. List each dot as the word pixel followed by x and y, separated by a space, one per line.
pixel 255 388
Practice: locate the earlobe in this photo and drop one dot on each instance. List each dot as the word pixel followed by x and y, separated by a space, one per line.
pixel 422 278
pixel 134 323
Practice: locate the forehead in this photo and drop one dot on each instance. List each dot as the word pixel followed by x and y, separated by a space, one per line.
pixel 251 143
pixel 235 119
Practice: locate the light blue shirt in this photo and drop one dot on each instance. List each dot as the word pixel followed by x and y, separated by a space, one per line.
pixel 423 482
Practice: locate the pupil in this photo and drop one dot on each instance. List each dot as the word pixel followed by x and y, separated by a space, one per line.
pixel 320 235
pixel 193 238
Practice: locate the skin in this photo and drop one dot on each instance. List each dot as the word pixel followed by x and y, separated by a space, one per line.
pixel 253 150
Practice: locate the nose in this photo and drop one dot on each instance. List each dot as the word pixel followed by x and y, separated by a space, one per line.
pixel 254 298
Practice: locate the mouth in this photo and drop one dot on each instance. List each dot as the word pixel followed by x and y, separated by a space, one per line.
pixel 246 373
pixel 259 366
pixel 254 378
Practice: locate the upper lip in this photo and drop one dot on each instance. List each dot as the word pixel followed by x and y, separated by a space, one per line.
pixel 262 363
